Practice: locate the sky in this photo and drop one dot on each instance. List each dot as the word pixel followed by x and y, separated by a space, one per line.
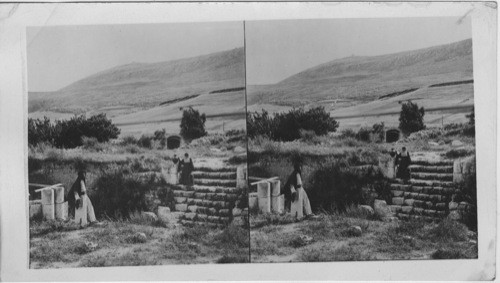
pixel 61 55
pixel 276 50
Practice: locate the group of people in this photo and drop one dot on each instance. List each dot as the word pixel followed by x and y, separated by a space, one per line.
pixel 185 168
pixel 402 163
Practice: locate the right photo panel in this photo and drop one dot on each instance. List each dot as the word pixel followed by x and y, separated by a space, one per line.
pixel 361 139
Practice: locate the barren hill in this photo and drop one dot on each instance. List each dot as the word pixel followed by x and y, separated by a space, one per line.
pixel 147 84
pixel 365 78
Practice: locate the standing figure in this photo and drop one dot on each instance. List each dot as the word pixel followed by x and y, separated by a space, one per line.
pixel 78 199
pixel 296 199
pixel 403 161
pixel 186 168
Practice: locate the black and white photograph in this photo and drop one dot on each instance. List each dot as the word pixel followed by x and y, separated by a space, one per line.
pixel 248 141
pixel 361 139
pixel 137 145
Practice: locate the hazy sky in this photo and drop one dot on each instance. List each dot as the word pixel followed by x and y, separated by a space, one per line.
pixel 276 50
pixel 59 56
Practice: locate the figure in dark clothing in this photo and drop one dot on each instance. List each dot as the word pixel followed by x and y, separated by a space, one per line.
pixel 77 196
pixel 175 160
pixel 403 162
pixel 186 168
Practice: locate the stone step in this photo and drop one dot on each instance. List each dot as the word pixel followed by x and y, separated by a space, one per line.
pixel 214 175
pixel 190 223
pixel 215 182
pixel 432 163
pixel 219 169
pixel 418 196
pixel 405 216
pixel 432 176
pixel 205 196
pixel 418 204
pixel 431 169
pixel 199 217
pixel 208 189
pixel 209 203
pixel 433 183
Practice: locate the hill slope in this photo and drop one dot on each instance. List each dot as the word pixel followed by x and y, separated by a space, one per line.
pixel 147 84
pixel 366 78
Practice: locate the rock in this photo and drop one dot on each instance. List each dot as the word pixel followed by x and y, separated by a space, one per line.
pixel 214 149
pixel 432 143
pixel 181 207
pixel 149 216
pixel 236 211
pixel 354 231
pixel 390 219
pixel 190 216
pixel 457 143
pixel 239 149
pixel 381 209
pixel 138 237
pixel 398 201
pixel 454 215
pixel 367 209
pixel 163 213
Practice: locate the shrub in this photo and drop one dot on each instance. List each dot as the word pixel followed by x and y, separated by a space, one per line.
pixel 161 137
pixel 145 141
pixel 348 133
pixel 460 152
pixel 363 134
pixel 286 126
pixel 40 131
pixel 378 131
pixel 448 254
pixel 70 132
pixel 192 124
pixel 448 231
pixel 128 140
pixel 411 118
pixel 335 187
pixel 117 193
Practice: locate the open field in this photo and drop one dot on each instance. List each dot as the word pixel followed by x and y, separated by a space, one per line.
pixel 62 245
pixel 282 240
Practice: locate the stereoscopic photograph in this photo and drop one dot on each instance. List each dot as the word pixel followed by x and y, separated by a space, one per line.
pixel 361 139
pixel 137 145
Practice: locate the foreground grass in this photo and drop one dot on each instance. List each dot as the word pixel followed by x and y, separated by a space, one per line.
pixel 331 240
pixel 56 245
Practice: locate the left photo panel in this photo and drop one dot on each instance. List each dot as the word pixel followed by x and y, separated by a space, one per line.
pixel 137 145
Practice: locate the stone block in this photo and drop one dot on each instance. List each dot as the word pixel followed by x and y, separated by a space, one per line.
pixel 419 203
pixel 212 211
pixel 181 207
pixel 453 205
pixel 458 177
pixel 454 215
pixel 398 201
pixel 381 209
pixel 202 217
pixel 180 199
pixel 278 204
pixel 47 196
pixel 440 213
pixel 275 188
pixel 440 205
pixel 437 190
pixel 58 194
pixel 406 194
pixel 409 202
pixel 263 190
pixel 368 209
pixel 264 205
pixel 403 216
pixel 418 210
pixel 200 195
pixel 417 189
pixel 149 216
pixel 252 200
pixel 397 193
pixel 414 195
pixel 190 216
pixel 430 212
pixel 193 208
pixel 395 208
pixel 163 213
pixel 236 212
pixel 407 209
pixel 224 212
pixel 61 211
pixel 35 209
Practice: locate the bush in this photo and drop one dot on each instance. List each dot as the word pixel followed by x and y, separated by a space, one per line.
pixel 117 193
pixel 411 118
pixel 161 137
pixel 335 187
pixel 363 135
pixel 145 141
pixel 287 126
pixel 128 140
pixel 70 133
pixel 448 254
pixel 192 124
pixel 378 131
pixel 348 133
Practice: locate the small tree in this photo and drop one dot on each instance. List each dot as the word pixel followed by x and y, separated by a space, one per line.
pixel 411 118
pixel 192 124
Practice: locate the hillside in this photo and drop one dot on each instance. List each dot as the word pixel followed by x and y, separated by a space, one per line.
pixel 146 84
pixel 365 78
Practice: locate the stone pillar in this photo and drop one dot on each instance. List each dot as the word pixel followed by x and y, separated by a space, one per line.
pixel 387 167
pixel 297 206
pixel 61 207
pixel 253 201
pixel 48 208
pixel 241 180
pixel 462 167
pixel 264 197
pixel 81 213
pixel 276 206
pixel 35 208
